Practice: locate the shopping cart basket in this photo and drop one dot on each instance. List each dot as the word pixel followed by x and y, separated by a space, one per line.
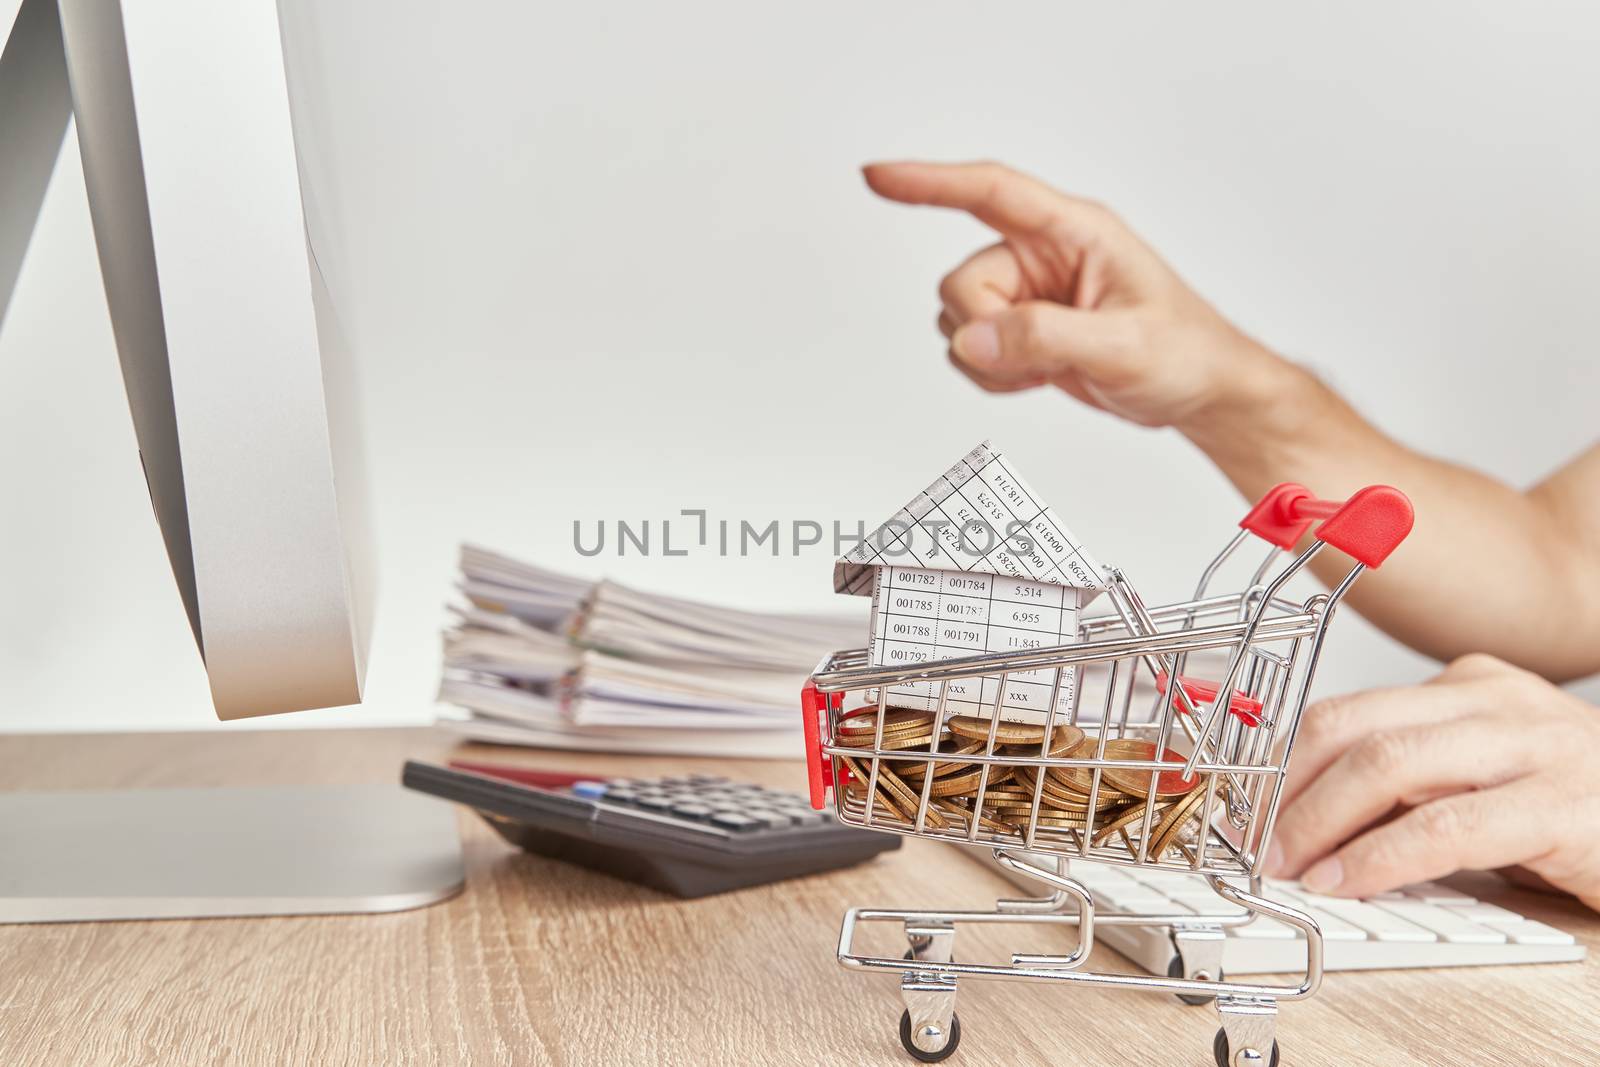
pixel 1096 779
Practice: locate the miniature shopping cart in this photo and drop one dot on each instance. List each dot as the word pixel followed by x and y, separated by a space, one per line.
pixel 1230 737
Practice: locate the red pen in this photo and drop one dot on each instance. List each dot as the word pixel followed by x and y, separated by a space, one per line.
pixel 523 775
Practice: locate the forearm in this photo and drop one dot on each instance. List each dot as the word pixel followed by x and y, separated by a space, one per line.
pixel 1486 569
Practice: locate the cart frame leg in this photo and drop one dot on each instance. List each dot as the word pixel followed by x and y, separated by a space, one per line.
pixel 1250 1025
pixel 1199 947
pixel 930 997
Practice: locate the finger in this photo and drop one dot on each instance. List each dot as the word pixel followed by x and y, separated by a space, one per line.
pixel 1476 666
pixel 993 385
pixel 1467 831
pixel 1395 768
pixel 1331 727
pixel 1037 339
pixel 995 195
pixel 947 325
pixel 1072 383
pixel 988 283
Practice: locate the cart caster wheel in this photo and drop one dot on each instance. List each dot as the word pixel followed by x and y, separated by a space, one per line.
pixel 1219 1048
pixel 944 1051
pixel 1175 970
pixel 911 954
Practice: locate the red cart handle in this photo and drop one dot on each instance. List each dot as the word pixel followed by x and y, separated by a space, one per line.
pixel 1203 691
pixel 1367 527
pixel 813 712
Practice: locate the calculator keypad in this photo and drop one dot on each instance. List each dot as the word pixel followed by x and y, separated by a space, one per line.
pixel 701 801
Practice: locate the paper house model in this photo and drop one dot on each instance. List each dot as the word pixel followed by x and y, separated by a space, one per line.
pixel 976 563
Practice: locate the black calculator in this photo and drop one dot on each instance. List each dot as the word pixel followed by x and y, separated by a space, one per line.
pixel 690 836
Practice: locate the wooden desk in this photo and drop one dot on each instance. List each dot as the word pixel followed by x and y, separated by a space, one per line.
pixel 538 962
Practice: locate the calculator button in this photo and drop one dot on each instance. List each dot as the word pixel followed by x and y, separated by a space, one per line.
pixel 771 820
pixel 592 790
pixel 653 801
pixel 688 809
pixel 734 820
pixel 707 779
pixel 621 795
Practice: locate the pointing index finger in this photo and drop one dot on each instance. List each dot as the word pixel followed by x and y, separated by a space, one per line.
pixel 995 195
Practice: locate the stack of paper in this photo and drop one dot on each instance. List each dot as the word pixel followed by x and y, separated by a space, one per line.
pixel 541 658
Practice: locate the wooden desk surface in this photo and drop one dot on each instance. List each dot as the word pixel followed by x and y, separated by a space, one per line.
pixel 538 962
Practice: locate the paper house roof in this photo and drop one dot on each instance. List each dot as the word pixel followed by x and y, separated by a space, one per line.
pixel 978 516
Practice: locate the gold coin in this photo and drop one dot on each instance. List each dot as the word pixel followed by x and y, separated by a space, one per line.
pixel 1080 779
pixel 891 742
pixel 1134 813
pixel 864 722
pixel 956 811
pixel 1006 794
pixel 1175 822
pixel 943 767
pixel 1133 783
pixel 1057 796
pixel 1062 743
pixel 1168 784
pixel 886 810
pixel 1051 822
pixel 908 801
pixel 1006 732
pixel 967 781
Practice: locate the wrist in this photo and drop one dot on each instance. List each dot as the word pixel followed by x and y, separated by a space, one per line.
pixel 1261 408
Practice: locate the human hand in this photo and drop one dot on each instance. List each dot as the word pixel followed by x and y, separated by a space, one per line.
pixel 1071 296
pixel 1485 766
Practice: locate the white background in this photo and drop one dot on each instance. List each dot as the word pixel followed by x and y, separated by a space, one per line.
pixel 607 261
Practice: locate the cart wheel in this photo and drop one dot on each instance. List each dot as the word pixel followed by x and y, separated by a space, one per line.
pixel 1175 970
pixel 943 1052
pixel 1219 1048
pixel 911 954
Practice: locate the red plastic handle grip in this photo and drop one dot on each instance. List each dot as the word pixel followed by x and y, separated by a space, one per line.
pixel 1367 527
pixel 813 707
pixel 1203 691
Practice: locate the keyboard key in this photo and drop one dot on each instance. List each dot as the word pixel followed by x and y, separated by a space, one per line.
pixel 592 790
pixel 1162 881
pixel 1135 897
pixel 1379 923
pixel 1487 914
pixel 1528 932
pixel 1333 927
pixel 1263 929
pixel 1434 893
pixel 734 820
pixel 1443 922
pixel 653 801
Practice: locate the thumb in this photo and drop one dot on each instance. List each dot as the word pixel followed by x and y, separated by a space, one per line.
pixel 1038 339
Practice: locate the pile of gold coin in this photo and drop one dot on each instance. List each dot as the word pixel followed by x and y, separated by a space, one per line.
pixel 1006 806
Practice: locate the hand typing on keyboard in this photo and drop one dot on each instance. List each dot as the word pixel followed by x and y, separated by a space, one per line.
pixel 1485 766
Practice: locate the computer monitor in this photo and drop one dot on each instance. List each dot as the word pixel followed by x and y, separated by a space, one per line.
pixel 241 390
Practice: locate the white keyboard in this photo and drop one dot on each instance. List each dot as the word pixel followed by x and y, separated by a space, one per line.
pixel 1425 925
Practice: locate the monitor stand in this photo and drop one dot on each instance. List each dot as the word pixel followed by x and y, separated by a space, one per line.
pixel 193 853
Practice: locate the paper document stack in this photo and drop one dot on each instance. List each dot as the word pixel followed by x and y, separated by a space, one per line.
pixel 541 658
